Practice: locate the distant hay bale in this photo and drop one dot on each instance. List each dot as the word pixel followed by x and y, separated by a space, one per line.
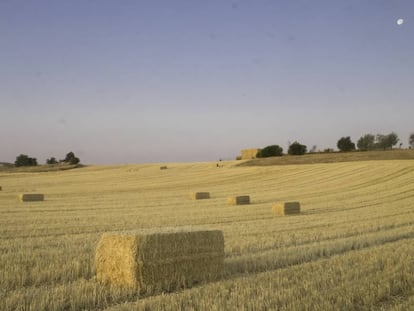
pixel 248 154
pixel 286 208
pixel 239 200
pixel 163 167
pixel 152 260
pixel 31 197
pixel 1 188
pixel 200 195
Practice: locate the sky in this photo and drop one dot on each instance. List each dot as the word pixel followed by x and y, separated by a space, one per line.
pixel 172 81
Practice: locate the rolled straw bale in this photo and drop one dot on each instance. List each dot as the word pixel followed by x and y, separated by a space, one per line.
pixel 1 188
pixel 200 195
pixel 167 259
pixel 239 200
pixel 31 197
pixel 286 208
pixel 163 167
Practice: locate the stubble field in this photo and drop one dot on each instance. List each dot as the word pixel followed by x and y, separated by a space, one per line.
pixel 352 247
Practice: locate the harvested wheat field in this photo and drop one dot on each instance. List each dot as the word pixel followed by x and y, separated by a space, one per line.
pixel 351 248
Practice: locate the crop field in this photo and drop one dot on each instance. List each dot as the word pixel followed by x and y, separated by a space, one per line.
pixel 350 248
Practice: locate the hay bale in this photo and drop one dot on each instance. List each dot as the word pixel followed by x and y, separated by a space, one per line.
pixel 31 197
pixel 200 195
pixel 163 167
pixel 239 200
pixel 1 188
pixel 152 260
pixel 248 154
pixel 286 208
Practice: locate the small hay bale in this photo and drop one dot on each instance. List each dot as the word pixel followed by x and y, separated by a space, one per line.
pixel 239 200
pixel 31 197
pixel 286 208
pixel 200 195
pixel 163 167
pixel 152 260
pixel 1 188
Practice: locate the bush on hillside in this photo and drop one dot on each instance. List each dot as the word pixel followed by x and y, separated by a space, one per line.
pixel 345 144
pixel 24 160
pixel 51 161
pixel 270 151
pixel 71 159
pixel 297 149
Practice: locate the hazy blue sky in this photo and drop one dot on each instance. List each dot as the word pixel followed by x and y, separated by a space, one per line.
pixel 147 81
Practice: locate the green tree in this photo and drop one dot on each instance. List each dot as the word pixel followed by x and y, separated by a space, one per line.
pixel 71 158
pixel 52 160
pixel 24 160
pixel 386 141
pixel 366 142
pixel 345 144
pixel 411 140
pixel 297 149
pixel 270 151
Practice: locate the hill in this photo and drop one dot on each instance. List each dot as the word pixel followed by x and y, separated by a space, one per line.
pixel 10 168
pixel 333 157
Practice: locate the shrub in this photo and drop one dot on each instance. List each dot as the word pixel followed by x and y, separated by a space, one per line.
pixel 297 149
pixel 387 141
pixel 71 158
pixel 411 140
pixel 366 142
pixel 270 151
pixel 24 160
pixel 345 144
pixel 51 161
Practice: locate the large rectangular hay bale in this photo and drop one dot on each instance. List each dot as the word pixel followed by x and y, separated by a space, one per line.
pixel 286 208
pixel 200 195
pixel 31 197
pixel 163 167
pixel 153 260
pixel 239 200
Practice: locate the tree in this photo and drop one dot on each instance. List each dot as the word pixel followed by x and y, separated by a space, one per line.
pixel 386 141
pixel 71 158
pixel 24 160
pixel 297 149
pixel 411 140
pixel 345 144
pixel 270 151
pixel 366 142
pixel 52 160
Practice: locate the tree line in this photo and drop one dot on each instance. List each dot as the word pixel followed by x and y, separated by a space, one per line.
pixel 25 160
pixel 366 142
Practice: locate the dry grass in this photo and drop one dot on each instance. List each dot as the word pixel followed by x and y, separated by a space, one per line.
pixel 39 168
pixel 162 259
pixel 351 248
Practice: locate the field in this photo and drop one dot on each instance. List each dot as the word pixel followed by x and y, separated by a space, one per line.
pixel 352 247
